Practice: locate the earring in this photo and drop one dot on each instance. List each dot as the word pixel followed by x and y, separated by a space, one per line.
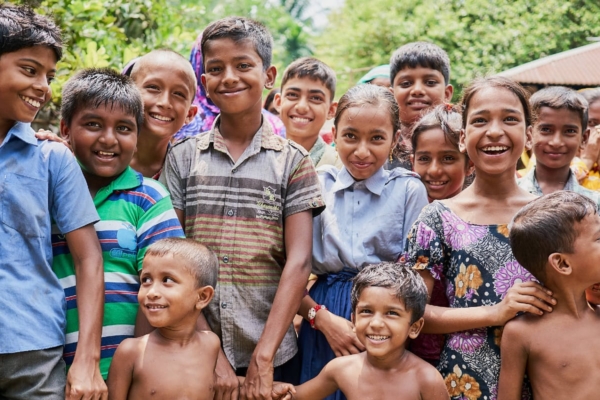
pixel 337 156
pixel 392 155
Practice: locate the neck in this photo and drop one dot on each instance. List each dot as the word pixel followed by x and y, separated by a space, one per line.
pixel 500 187
pixel 5 126
pixel 390 361
pixel 552 177
pixel 570 298
pixel 150 155
pixel 95 182
pixel 307 143
pixel 180 335
pixel 240 128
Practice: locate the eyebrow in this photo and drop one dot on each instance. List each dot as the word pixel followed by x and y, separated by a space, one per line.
pixel 237 58
pixel 36 62
pixel 295 89
pixel 506 110
pixel 90 115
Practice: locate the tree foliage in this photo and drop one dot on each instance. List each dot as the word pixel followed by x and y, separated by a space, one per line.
pixel 480 36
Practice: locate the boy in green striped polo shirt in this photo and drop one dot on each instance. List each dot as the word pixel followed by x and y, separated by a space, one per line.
pixel 101 115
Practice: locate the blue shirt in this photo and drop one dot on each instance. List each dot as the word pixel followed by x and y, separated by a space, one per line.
pixel 40 181
pixel 364 222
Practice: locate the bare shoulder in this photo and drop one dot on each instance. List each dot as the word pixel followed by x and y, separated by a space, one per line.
pixel 210 340
pixel 522 327
pixel 343 366
pixel 132 346
pixel 426 373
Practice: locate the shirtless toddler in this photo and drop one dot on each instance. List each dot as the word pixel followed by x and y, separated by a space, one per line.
pixel 174 361
pixel 557 238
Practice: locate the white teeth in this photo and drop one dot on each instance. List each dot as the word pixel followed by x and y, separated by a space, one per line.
pixel 302 120
pixel 437 183
pixel 161 118
pixel 378 337
pixel 31 101
pixel 104 153
pixel 153 307
pixel 495 148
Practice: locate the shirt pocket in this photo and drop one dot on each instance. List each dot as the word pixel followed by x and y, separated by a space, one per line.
pixel 24 204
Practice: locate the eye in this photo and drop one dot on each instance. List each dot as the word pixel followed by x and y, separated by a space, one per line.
pixel 145 279
pixel 50 79
pixel 181 94
pixel 393 313
pixel 449 158
pixel 244 66
pixel 29 70
pixel 291 95
pixel 350 136
pixel 405 84
pixel 152 87
pixel 168 279
pixel 431 82
pixel 124 128
pixel 478 121
pixel 317 99
pixel 93 124
pixel 365 311
pixel 544 129
pixel 511 119
pixel 572 132
pixel 378 138
pixel 423 159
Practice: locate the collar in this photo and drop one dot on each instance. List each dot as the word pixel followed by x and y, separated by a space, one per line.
pixel 264 137
pixel 129 179
pixel 570 184
pixel 375 183
pixel 22 131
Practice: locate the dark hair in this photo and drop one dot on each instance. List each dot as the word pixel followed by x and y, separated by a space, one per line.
pixel 374 95
pixel 95 87
pixel 559 97
pixel 21 27
pixel 239 29
pixel 200 261
pixel 308 67
pixel 546 226
pixel 407 284
pixel 270 97
pixel 443 116
pixel 496 82
pixel 591 95
pixel 420 54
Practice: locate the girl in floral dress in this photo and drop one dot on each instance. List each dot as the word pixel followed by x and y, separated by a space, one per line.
pixel 463 243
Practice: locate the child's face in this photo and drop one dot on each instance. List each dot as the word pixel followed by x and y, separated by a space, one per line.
pixel 496 131
pixel 168 295
pixel 25 77
pixel 167 91
pixel 235 78
pixel 103 140
pixel 585 257
pixel 418 89
pixel 442 167
pixel 304 105
pixel 557 135
pixel 382 322
pixel 363 139
pixel 594 114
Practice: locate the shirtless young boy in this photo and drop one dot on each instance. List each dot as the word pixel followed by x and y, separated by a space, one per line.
pixel 174 361
pixel 557 238
pixel 388 300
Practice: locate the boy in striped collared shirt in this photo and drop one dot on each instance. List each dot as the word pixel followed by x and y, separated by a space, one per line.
pixel 101 115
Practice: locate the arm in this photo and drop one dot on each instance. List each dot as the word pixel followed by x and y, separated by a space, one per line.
pixel 433 386
pixel 121 370
pixel 323 384
pixel 298 245
pixel 513 363
pixel 84 378
pixel 591 151
pixel 528 297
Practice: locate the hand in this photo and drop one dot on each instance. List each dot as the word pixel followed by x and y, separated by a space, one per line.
pixel 339 333
pixel 591 151
pixel 259 380
pixel 43 134
pixel 282 391
pixel 528 297
pixel 84 381
pixel 227 385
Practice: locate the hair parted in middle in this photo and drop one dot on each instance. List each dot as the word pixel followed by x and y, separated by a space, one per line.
pixel 546 226
pixel 443 116
pixel 405 282
pixel 559 97
pixel 309 67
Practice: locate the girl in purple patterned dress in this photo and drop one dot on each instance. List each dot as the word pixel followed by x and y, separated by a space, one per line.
pixel 463 243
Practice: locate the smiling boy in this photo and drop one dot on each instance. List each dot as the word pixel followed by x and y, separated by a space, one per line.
pixel 41 182
pixel 559 130
pixel 250 196
pixel 101 115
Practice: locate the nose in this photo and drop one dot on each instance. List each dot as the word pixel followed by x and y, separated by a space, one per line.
pixel 302 105
pixel 417 88
pixel 495 130
pixel 556 139
pixel 376 320
pixel 108 136
pixel 42 86
pixel 163 99
pixel 152 292
pixel 435 168
pixel 362 150
pixel 230 76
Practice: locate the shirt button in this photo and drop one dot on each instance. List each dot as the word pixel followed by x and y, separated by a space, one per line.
pixel 225 259
pixel 230 213
pixel 223 305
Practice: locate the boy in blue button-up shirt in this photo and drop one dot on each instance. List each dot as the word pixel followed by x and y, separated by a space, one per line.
pixel 40 182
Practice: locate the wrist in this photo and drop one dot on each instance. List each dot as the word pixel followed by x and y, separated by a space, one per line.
pixel 312 314
pixel 262 357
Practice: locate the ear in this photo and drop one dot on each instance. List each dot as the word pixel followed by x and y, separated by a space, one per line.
pixel 334 133
pixel 560 264
pixel 192 111
pixel 203 82
pixel 529 137
pixel 448 92
pixel 65 131
pixel 470 168
pixel 277 102
pixel 332 109
pixel 462 147
pixel 584 138
pixel 415 328
pixel 412 161
pixel 271 73
pixel 205 295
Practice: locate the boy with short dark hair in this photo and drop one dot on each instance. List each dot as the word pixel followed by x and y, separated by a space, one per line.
pixel 41 182
pixel 388 303
pixel 420 76
pixel 250 196
pixel 175 361
pixel 305 103
pixel 101 116
pixel 559 131
pixel 557 238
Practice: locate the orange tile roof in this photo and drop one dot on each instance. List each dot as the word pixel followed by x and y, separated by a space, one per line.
pixel 575 67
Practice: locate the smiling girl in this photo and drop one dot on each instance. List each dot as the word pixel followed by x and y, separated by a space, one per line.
pixel 369 212
pixel 463 243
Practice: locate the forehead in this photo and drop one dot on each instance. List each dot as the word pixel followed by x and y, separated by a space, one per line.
pixel 225 49
pixel 167 67
pixel 434 140
pixel 110 112
pixel 305 83
pixel 588 226
pixel 489 97
pixel 418 72
pixel 367 116
pixel 42 55
pixel 379 296
pixel 562 116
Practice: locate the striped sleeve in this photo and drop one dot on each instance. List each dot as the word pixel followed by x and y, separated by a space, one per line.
pixel 303 190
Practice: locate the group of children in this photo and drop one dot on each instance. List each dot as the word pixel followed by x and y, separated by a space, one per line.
pixel 187 288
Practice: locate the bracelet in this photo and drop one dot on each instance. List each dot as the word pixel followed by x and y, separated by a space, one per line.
pixel 312 313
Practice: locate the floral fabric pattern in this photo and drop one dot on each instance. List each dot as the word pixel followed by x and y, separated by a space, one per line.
pixel 477 268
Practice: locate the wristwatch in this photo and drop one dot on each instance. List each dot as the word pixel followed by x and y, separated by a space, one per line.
pixel 312 313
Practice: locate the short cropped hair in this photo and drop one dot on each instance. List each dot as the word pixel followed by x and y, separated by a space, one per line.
pixel 374 95
pixel 239 29
pixel 560 97
pixel 308 67
pixel 407 284
pixel 200 261
pixel 95 87
pixel 591 95
pixel 546 226
pixel 21 27
pixel 420 54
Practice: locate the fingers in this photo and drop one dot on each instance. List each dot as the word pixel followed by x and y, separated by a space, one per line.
pixel 358 345
pixel 536 290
